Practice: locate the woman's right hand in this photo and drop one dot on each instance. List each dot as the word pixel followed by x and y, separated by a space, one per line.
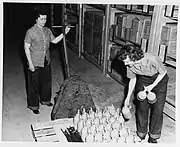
pixel 31 67
pixel 127 103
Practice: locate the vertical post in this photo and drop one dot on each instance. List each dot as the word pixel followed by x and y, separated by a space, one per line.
pixel 80 30
pixel 52 15
pixel 106 37
pixel 67 71
pixel 156 27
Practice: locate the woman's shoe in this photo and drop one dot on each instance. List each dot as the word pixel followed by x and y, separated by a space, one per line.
pixel 50 104
pixel 152 140
pixel 36 111
pixel 138 139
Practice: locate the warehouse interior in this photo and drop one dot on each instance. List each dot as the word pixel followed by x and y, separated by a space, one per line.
pixel 92 44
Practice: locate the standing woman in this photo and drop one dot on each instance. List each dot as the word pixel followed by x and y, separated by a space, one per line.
pixel 145 70
pixel 36 45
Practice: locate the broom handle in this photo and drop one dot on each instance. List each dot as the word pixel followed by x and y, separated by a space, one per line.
pixel 65 46
pixel 65 53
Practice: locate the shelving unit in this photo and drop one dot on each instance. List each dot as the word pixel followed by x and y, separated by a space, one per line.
pixel 93 32
pixel 128 25
pixel 165 33
pixel 125 25
pixel 111 19
pixel 146 10
pixel 147 21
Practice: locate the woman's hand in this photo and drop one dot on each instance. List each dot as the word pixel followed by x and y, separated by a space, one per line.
pixel 158 79
pixel 127 103
pixel 67 29
pixel 131 86
pixel 149 88
pixel 31 67
pixel 58 38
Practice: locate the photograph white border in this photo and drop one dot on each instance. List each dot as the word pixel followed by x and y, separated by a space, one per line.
pixel 156 2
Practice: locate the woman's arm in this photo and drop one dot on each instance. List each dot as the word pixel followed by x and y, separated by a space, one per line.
pixel 28 56
pixel 58 38
pixel 157 63
pixel 131 87
pixel 158 79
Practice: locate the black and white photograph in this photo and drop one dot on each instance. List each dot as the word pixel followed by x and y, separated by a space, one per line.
pixel 84 72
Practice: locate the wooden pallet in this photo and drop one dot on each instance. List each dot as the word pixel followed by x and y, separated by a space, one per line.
pixel 51 131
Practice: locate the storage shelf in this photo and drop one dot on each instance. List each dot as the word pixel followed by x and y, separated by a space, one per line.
pixel 97 6
pixel 173 18
pixel 117 41
pixel 171 63
pixel 125 41
pixel 133 43
pixel 134 12
pixel 169 110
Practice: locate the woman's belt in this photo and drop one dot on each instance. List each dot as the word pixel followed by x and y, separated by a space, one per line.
pixel 45 64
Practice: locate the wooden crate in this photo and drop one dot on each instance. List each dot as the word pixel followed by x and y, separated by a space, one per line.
pixel 51 131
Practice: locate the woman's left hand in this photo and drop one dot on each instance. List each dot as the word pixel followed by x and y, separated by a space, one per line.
pixel 67 29
pixel 149 88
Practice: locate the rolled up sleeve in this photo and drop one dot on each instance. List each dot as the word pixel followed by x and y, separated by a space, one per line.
pixel 157 63
pixel 130 73
pixel 52 37
pixel 28 38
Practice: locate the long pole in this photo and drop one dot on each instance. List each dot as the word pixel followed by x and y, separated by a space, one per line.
pixel 106 37
pixel 80 30
pixel 67 71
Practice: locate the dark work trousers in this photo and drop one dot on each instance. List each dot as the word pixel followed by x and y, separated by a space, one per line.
pixel 150 114
pixel 39 87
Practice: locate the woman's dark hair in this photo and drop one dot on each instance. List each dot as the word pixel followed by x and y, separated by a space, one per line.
pixel 39 12
pixel 135 53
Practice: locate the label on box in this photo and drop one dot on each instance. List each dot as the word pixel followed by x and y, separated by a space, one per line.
pixel 145 8
pixel 144 44
pixel 162 51
pixel 168 10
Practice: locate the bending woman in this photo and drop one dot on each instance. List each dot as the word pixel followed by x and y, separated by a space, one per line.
pixel 146 70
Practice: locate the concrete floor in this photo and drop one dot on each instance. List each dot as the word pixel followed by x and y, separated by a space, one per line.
pixel 17 118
